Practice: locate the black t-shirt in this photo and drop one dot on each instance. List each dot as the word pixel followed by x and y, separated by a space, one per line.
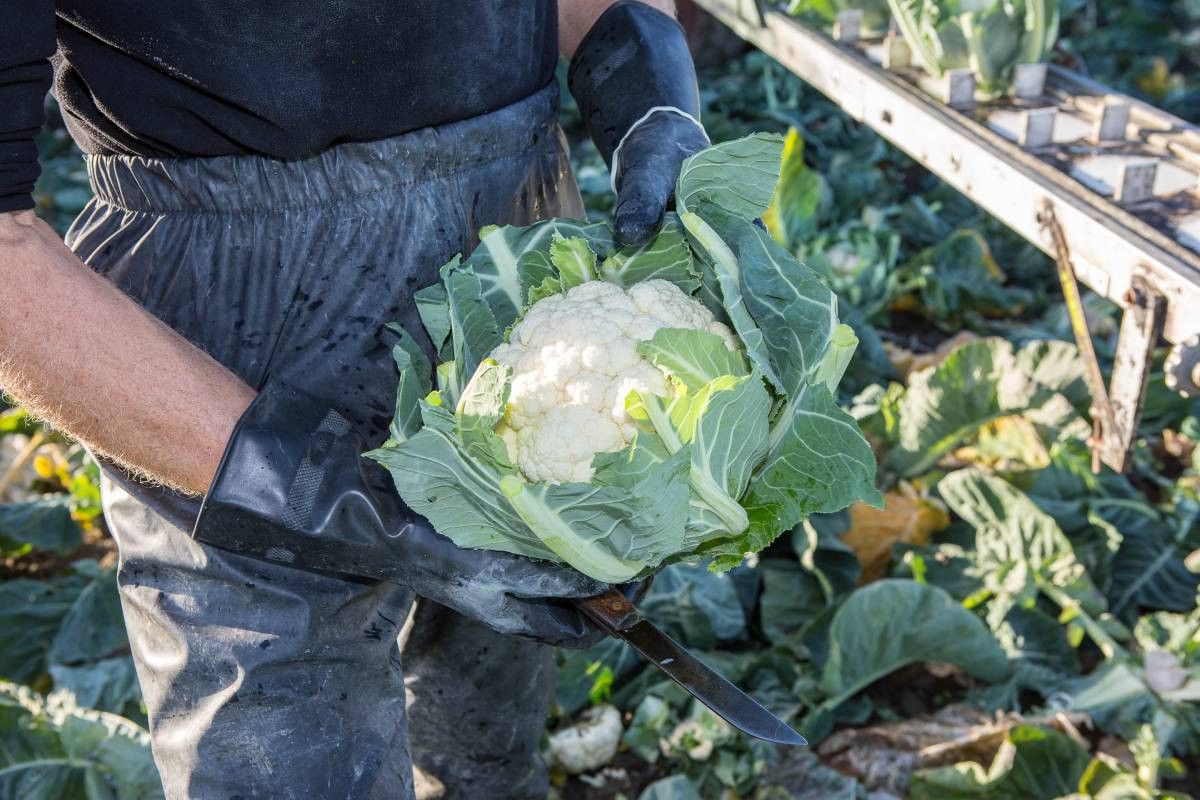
pixel 273 77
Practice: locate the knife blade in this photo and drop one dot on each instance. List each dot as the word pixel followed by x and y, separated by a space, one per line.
pixel 613 612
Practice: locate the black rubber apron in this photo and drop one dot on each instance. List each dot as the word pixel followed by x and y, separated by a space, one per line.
pixel 264 681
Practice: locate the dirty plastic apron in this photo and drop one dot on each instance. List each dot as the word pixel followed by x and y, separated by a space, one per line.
pixel 263 681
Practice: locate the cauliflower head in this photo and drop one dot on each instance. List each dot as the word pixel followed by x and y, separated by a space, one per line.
pixel 590 744
pixel 574 358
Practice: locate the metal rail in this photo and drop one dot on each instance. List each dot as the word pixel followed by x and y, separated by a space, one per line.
pixel 1116 249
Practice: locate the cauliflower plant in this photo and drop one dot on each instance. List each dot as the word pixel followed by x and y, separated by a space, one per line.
pixel 574 358
pixel 558 347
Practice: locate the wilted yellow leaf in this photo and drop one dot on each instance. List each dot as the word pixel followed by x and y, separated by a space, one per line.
pixel 883 755
pixel 989 261
pixel 903 518
pixel 791 163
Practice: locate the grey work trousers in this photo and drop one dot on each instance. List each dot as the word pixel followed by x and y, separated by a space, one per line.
pixel 261 680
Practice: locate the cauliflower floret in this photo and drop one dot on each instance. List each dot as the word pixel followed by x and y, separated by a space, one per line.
pixel 644 377
pixel 538 396
pixel 574 359
pixel 664 300
pixel 561 445
pixel 589 390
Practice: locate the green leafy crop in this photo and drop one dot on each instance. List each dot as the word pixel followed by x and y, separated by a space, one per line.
pixel 747 442
pixel 988 36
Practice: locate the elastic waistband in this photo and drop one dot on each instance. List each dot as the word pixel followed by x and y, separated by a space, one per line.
pixel 229 184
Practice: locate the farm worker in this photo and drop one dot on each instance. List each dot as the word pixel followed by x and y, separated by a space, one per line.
pixel 273 181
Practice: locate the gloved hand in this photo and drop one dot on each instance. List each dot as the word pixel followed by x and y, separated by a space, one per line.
pixel 291 489
pixel 635 84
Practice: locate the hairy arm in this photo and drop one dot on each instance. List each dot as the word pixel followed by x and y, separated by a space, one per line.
pixel 575 18
pixel 83 356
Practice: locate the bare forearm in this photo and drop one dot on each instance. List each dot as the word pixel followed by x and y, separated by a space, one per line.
pixel 575 18
pixel 79 353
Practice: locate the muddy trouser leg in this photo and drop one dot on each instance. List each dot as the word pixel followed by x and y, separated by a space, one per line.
pixel 475 723
pixel 261 680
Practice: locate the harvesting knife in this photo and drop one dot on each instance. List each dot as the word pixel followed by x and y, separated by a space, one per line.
pixel 613 612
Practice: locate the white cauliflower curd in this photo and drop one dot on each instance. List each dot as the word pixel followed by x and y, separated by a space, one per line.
pixel 590 744
pixel 574 358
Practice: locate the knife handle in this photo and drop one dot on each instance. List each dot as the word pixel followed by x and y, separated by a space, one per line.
pixel 612 610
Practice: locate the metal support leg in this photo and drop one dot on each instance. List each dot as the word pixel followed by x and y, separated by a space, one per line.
pixel 1116 408
pixel 1141 328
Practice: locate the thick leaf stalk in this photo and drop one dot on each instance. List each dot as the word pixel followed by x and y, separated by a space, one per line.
pixel 561 538
pixel 728 510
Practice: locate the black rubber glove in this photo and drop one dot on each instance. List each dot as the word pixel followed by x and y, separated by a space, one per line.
pixel 291 489
pixel 635 84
